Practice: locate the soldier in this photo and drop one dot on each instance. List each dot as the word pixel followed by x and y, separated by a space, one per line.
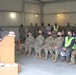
pixel 31 29
pixel 48 45
pixel 73 54
pixel 54 34
pixel 47 28
pixel 22 33
pixel 36 29
pixel 73 57
pixel 29 44
pixel 38 43
pixel 57 44
pixel 42 28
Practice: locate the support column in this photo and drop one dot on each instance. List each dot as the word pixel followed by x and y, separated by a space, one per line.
pixel 41 10
pixel 23 12
pixel 41 14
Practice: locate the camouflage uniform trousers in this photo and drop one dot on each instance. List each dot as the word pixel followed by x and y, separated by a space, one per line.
pixel 22 46
pixel 48 49
pixel 57 53
pixel 73 54
pixel 22 38
pixel 38 49
pixel 28 48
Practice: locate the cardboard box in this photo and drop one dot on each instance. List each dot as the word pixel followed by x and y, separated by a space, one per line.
pixel 9 70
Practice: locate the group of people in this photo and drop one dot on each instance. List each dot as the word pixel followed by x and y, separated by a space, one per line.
pixel 63 46
pixel 35 28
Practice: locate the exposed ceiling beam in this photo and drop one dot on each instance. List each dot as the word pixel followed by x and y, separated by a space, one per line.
pixel 59 13
pixel 58 1
pixel 39 1
pixel 31 2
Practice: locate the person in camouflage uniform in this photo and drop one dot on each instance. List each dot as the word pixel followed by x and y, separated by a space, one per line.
pixel 42 28
pixel 36 29
pixel 54 34
pixel 73 54
pixel 21 33
pixel 29 44
pixel 38 43
pixel 57 44
pixel 73 57
pixel 31 29
pixel 48 45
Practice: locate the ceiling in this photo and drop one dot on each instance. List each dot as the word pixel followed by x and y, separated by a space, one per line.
pixel 48 1
pixel 53 1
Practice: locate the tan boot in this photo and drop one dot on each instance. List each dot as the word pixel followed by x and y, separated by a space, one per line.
pixel 53 56
pixel 36 55
pixel 46 57
pixel 72 63
pixel 39 57
pixel 28 54
pixel 55 60
pixel 72 60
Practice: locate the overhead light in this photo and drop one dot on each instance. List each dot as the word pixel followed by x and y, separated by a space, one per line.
pixel 58 15
pixel 13 15
pixel 36 15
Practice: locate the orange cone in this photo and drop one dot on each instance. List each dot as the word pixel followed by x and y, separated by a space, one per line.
pixel 19 45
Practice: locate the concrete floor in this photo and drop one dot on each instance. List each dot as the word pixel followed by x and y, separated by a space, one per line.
pixel 32 66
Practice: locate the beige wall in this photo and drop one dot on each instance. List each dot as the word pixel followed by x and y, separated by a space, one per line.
pixel 15 6
pixel 62 20
pixel 6 20
pixel 11 5
pixel 6 8
pixel 31 18
pixel 31 10
pixel 52 10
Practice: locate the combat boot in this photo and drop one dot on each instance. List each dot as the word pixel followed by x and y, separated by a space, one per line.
pixel 39 57
pixel 72 63
pixel 52 56
pixel 36 55
pixel 46 57
pixel 55 60
pixel 28 54
pixel 72 60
